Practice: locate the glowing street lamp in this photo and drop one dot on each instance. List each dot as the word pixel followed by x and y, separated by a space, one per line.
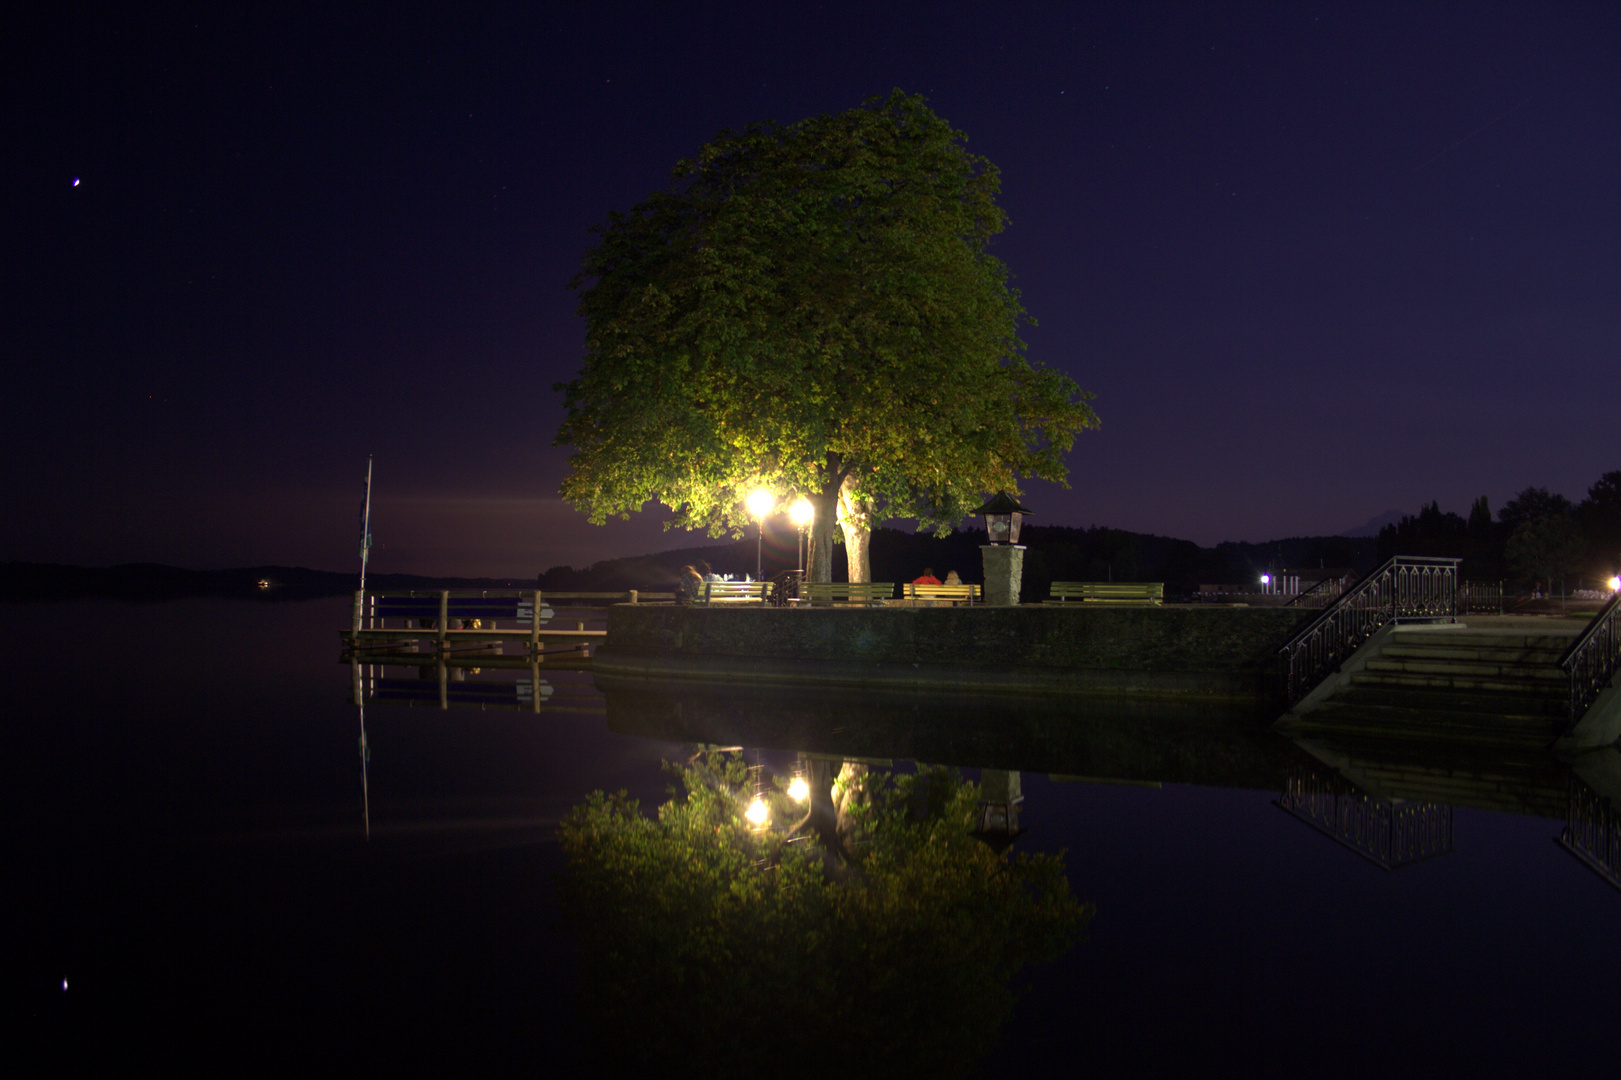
pixel 1614 584
pixel 799 791
pixel 757 812
pixel 801 514
pixel 760 503
pixel 1003 516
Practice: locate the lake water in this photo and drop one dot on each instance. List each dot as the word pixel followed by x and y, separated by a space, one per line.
pixel 185 828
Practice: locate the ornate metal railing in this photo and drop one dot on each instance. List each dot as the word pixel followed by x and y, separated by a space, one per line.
pixel 1392 834
pixel 1593 831
pixel 1592 659
pixel 1480 598
pixel 1321 594
pixel 1408 588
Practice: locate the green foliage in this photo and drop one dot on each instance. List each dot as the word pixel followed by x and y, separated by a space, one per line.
pixel 1543 548
pixel 1529 505
pixel 807 303
pixel 1600 518
pixel 736 952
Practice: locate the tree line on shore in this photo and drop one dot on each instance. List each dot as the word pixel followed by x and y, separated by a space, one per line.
pixel 1537 536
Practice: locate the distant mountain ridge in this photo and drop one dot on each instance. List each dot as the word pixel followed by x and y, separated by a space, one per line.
pixel 1374 524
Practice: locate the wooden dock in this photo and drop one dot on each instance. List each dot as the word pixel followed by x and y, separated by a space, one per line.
pixel 448 621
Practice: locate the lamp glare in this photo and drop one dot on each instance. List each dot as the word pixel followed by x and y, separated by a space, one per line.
pixel 757 812
pixel 1614 584
pixel 799 791
pixel 802 512
pixel 760 502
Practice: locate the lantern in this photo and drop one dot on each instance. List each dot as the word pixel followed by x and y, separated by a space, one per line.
pixel 1002 518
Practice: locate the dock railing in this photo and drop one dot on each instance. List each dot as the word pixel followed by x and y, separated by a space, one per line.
pixel 1407 588
pixel 480 613
pixel 513 605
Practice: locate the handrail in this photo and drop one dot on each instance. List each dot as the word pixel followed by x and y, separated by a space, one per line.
pixel 1407 588
pixel 1593 658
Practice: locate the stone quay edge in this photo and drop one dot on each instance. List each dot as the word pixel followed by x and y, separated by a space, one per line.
pixel 1188 652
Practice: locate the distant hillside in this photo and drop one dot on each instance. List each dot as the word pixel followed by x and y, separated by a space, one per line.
pixel 1053 553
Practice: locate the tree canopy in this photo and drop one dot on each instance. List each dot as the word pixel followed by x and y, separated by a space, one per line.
pixel 807 308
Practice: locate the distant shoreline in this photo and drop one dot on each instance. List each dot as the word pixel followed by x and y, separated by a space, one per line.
pixel 32 582
pixel 1055 552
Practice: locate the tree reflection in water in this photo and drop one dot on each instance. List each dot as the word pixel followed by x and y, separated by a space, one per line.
pixel 866 931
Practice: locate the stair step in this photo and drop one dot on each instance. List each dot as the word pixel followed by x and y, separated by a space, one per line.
pixel 1520 672
pixel 1469 685
pixel 1469 639
pixel 1499 703
pixel 1481 654
pixel 1423 712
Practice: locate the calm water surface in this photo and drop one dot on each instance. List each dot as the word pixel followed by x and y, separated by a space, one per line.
pixel 186 831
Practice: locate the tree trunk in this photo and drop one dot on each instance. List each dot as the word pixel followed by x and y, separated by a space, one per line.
pixel 855 518
pixel 836 789
pixel 819 562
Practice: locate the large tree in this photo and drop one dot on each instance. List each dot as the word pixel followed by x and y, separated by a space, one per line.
pixel 811 308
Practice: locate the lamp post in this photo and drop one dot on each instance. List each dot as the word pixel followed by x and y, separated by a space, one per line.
pixel 760 503
pixel 801 513
pixel 1003 517
pixel 1003 556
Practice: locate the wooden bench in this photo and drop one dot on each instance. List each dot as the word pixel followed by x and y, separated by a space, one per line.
pixel 1107 592
pixel 951 594
pixel 871 593
pixel 735 592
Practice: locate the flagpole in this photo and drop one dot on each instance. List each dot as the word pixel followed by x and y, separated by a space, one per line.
pixel 365 547
pixel 365 526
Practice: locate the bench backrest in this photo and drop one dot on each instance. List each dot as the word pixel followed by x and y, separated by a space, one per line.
pixel 859 592
pixel 1109 591
pixel 942 592
pixel 720 592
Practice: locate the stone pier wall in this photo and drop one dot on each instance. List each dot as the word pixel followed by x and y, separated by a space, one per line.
pixel 1209 653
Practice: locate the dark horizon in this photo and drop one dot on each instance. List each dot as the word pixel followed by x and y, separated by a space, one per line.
pixel 1316 264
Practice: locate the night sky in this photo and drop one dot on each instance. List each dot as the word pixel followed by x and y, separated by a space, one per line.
pixel 1316 262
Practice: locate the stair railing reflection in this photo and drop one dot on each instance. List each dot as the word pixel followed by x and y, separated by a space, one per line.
pixel 1388 833
pixel 1593 831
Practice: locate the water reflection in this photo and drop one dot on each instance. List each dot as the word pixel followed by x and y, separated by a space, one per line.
pixel 1593 831
pixel 867 926
pixel 687 955
pixel 1388 832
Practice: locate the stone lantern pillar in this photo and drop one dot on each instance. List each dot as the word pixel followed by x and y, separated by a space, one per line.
pixel 1003 557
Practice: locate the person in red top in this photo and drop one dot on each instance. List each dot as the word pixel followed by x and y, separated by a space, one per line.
pixel 928 577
